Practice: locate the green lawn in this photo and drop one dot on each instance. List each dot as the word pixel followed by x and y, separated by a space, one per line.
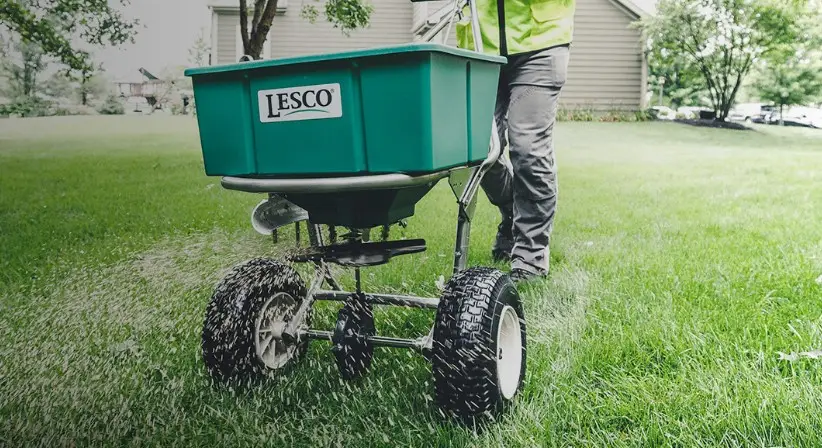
pixel 685 261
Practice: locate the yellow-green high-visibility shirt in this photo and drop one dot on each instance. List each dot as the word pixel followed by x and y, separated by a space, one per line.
pixel 529 25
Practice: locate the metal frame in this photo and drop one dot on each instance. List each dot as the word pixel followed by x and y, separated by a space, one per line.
pixel 464 182
pixel 330 184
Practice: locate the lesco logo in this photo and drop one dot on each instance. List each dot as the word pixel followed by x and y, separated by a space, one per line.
pixel 300 103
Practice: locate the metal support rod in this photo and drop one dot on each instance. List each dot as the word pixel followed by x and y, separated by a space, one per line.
pixel 444 21
pixel 463 237
pixel 292 328
pixel 454 13
pixel 475 29
pixel 379 341
pixel 315 234
pixel 474 181
pixel 381 299
pixel 319 334
pixel 330 278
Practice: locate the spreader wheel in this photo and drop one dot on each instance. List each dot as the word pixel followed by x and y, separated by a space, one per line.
pixel 352 351
pixel 242 333
pixel 479 348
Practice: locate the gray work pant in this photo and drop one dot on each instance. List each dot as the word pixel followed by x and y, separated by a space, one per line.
pixel 524 185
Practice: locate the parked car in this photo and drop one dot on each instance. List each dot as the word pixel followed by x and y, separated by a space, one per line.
pixel 804 116
pixel 746 112
pixel 767 115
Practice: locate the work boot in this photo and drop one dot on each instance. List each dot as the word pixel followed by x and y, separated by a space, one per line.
pixel 521 275
pixel 504 243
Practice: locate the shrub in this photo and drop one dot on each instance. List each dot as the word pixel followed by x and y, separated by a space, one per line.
pixel 26 107
pixel 112 106
pixel 77 109
pixel 644 115
pixel 611 116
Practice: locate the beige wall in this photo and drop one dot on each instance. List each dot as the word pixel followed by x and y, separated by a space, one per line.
pixel 292 35
pixel 606 69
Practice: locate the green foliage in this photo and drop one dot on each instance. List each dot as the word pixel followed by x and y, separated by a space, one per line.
pixel 721 39
pixel 792 75
pixel 58 86
pixel 348 15
pixel 589 114
pixel 58 26
pixel 682 84
pixel 26 106
pixel 21 64
pixel 112 106
pixel 792 82
pixel 66 110
pixel 199 51
pixel 92 83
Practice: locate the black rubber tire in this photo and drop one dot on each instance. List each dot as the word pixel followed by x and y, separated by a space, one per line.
pixel 352 353
pixel 228 330
pixel 464 346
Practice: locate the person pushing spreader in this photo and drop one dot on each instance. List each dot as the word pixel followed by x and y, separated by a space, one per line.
pixel 354 140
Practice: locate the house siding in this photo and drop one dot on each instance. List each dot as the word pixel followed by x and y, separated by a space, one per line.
pixel 292 35
pixel 227 38
pixel 606 69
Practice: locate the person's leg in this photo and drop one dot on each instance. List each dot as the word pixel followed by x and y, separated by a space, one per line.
pixel 535 89
pixel 498 181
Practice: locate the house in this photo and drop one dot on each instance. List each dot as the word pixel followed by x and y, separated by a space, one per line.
pixel 607 71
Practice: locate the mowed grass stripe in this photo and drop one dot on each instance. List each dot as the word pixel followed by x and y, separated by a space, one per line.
pixel 685 260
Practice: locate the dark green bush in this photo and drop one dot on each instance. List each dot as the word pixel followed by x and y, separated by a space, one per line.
pixel 26 107
pixel 112 106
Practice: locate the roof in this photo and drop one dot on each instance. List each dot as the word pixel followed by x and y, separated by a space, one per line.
pixel 641 8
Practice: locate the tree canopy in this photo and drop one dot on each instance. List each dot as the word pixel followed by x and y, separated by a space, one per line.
pixel 722 39
pixel 55 26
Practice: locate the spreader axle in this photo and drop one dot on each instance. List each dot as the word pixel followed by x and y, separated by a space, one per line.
pixel 378 341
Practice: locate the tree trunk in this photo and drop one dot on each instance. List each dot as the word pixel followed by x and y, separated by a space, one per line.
pixel 244 26
pixel 781 116
pixel 254 38
pixel 726 110
pixel 260 31
pixel 84 88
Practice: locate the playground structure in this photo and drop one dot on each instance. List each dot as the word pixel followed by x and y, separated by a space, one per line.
pixel 156 92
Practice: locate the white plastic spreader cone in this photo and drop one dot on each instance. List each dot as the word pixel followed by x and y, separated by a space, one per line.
pixel 275 212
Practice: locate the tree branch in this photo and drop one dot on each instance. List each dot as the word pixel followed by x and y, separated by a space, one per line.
pixel 263 27
pixel 244 25
pixel 702 64
pixel 258 11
